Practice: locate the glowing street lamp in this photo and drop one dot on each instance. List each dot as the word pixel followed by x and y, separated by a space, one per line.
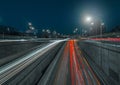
pixel 88 19
pixel 48 31
pixel 102 24
pixel 92 23
pixel 101 28
pixel 32 28
pixel 74 31
pixel 43 30
pixel 29 23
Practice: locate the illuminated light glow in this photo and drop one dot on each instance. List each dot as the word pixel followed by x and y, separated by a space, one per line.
pixel 92 23
pixel 29 23
pixel 102 23
pixel 43 30
pixel 88 19
pixel 32 28
pixel 76 29
pixel 48 31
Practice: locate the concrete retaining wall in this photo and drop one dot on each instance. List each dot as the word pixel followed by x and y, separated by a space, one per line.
pixel 107 56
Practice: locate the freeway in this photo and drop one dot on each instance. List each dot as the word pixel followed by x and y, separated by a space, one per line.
pixel 15 48
pixel 58 62
pixel 70 69
pixel 12 49
pixel 13 68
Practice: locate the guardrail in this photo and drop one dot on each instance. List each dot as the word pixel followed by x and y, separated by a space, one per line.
pixel 108 35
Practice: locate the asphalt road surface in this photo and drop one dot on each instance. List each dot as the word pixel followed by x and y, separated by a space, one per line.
pixel 71 69
pixel 55 63
pixel 10 50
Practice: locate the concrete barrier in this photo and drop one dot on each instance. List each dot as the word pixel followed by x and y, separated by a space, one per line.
pixel 106 56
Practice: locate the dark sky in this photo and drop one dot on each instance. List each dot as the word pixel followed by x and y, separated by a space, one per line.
pixel 60 15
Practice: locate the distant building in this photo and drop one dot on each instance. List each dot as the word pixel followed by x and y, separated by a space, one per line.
pixel 7 30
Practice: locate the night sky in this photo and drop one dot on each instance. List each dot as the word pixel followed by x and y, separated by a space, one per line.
pixel 60 15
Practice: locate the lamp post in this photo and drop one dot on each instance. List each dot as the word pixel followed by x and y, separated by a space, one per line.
pixel 32 29
pixel 43 30
pixel 89 21
pixel 101 32
pixel 101 28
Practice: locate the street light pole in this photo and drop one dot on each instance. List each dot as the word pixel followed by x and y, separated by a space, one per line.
pixel 101 28
pixel 3 35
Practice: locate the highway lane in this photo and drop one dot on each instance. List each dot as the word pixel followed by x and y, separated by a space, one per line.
pixel 66 66
pixel 14 67
pixel 13 49
pixel 70 68
pixel 81 72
